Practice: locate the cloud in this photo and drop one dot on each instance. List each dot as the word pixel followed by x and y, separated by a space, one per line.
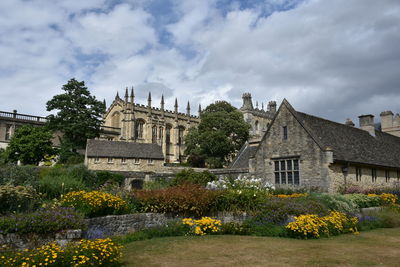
pixel 334 59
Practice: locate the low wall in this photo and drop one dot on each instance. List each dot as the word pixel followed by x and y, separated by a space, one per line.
pixel 28 241
pixel 101 227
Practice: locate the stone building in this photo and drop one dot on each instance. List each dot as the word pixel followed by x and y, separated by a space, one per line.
pixel 123 156
pixel 259 119
pixel 303 150
pixel 128 121
pixel 10 121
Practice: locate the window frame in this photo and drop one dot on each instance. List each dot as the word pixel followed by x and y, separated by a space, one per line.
pixel 373 175
pixel 136 161
pixel 110 160
pixel 387 176
pixel 123 160
pixel 287 171
pixel 358 174
pixel 150 161
pixel 285 133
pixel 96 160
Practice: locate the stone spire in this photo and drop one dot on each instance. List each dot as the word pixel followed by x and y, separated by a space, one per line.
pixel 199 109
pixel 126 95
pixel 104 106
pixel 188 109
pixel 117 96
pixel 162 102
pixel 176 105
pixel 149 100
pixel 132 95
pixel 256 104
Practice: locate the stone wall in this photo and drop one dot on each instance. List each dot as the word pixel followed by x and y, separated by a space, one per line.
pixel 140 165
pixel 28 241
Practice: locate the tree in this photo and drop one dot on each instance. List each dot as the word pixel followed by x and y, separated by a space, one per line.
pixel 79 115
pixel 30 145
pixel 220 134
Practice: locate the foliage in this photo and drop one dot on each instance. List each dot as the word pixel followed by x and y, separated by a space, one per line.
pixel 157 183
pixel 19 175
pixel 220 134
pixel 294 195
pixel 18 198
pixel 95 203
pixel 314 226
pixel 84 253
pixel 337 202
pixel 29 145
pixel 276 210
pixel 363 201
pixel 293 190
pixel 79 114
pixel 171 229
pixel 203 226
pixel 186 200
pixel 238 200
pixel 43 221
pixel 54 186
pixel 234 228
pixel 258 228
pixel 388 199
pixel 2 156
pixel 191 176
pixel 103 177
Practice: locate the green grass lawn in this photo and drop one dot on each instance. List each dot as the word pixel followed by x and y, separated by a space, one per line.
pixel 378 247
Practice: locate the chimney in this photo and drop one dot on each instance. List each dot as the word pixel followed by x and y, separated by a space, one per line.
pixel 367 123
pixel 386 120
pixel 349 122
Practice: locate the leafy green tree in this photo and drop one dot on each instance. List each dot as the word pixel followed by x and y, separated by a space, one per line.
pixel 30 145
pixel 79 115
pixel 220 134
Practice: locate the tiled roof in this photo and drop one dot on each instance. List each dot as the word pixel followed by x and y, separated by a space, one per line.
pixel 120 149
pixel 352 144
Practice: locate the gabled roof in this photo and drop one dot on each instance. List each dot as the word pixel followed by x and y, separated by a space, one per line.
pixel 349 144
pixel 120 149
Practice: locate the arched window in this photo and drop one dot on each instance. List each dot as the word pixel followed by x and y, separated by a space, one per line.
pixel 115 119
pixel 181 130
pixel 154 134
pixel 139 126
pixel 160 134
pixel 168 139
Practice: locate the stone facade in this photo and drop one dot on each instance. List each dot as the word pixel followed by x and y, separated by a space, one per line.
pixel 127 164
pixel 259 119
pixel 300 150
pixel 10 121
pixel 390 123
pixel 128 121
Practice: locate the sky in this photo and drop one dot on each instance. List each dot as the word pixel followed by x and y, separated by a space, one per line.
pixel 333 59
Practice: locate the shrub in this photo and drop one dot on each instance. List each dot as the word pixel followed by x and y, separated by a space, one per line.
pixel 95 203
pixel 241 183
pixel 233 228
pixel 387 217
pixel 293 195
pixel 238 200
pixel 336 202
pixel 363 201
pixel 203 226
pixel 158 183
pixel 191 176
pixel 103 177
pixel 42 221
pixel 186 200
pixel 18 198
pixel 19 175
pixel 264 229
pixel 313 226
pixel 54 186
pixel 84 253
pixel 276 210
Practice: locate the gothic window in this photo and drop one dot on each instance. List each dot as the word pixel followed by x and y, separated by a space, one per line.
pixel 287 171
pixel 168 139
pixel 115 119
pixel 139 125
pixel 181 130
pixel 160 134
pixel 154 134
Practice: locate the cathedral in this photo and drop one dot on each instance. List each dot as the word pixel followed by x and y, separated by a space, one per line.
pixel 128 121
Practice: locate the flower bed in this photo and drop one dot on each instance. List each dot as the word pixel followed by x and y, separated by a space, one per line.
pixel 84 253
pixel 313 226
pixel 203 226
pixel 95 203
